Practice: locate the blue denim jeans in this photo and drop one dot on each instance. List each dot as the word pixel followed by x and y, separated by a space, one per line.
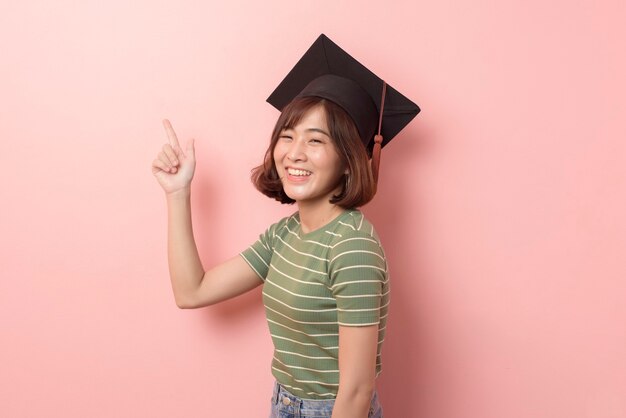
pixel 287 405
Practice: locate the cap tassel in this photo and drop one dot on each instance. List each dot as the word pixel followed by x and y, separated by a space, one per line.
pixel 378 139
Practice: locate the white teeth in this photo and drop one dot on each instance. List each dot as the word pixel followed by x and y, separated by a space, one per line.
pixel 295 172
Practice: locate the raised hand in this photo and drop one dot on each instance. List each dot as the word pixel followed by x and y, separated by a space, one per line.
pixel 174 168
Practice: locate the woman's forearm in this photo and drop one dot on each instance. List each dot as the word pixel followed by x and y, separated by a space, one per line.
pixel 185 267
pixel 352 404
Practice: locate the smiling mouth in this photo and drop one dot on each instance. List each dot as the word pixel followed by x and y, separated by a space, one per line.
pixel 298 173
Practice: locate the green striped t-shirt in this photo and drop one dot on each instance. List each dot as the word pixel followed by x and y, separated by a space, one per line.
pixel 314 282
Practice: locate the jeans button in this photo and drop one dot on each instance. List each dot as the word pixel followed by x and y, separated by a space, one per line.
pixel 286 401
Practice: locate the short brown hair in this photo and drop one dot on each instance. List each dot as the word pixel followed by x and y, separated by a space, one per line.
pixel 358 184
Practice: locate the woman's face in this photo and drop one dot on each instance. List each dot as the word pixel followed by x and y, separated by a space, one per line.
pixel 306 160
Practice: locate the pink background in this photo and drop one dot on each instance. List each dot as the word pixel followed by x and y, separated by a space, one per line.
pixel 501 206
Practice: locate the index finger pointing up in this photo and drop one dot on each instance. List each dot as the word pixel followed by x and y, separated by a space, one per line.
pixel 171 135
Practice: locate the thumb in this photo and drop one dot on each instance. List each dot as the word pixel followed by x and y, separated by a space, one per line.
pixel 191 151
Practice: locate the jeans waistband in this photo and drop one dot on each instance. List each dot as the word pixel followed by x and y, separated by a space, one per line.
pixel 279 390
pixel 280 394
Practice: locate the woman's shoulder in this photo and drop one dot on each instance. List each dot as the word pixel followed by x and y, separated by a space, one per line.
pixel 355 234
pixel 354 222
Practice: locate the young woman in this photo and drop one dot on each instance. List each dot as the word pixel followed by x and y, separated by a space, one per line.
pixel 323 269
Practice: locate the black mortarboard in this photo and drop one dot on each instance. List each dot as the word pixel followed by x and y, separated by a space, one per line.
pixel 327 71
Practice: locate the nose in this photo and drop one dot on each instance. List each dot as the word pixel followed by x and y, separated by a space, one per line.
pixel 296 151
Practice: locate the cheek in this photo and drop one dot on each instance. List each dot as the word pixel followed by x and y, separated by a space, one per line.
pixel 328 160
pixel 278 153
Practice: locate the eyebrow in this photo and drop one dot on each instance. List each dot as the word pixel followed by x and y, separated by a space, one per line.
pixel 309 130
pixel 318 130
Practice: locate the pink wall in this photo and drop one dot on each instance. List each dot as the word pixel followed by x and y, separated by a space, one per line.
pixel 501 206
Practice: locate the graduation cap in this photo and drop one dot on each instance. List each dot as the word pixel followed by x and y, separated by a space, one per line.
pixel 378 110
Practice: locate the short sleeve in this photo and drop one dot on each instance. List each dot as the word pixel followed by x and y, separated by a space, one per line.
pixel 358 273
pixel 259 254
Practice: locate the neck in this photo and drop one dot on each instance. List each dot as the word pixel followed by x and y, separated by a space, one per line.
pixel 314 216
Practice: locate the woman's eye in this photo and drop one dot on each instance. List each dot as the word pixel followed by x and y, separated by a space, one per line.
pixel 285 137
pixel 317 141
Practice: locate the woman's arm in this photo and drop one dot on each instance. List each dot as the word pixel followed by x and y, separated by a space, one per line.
pixel 192 286
pixel 357 370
